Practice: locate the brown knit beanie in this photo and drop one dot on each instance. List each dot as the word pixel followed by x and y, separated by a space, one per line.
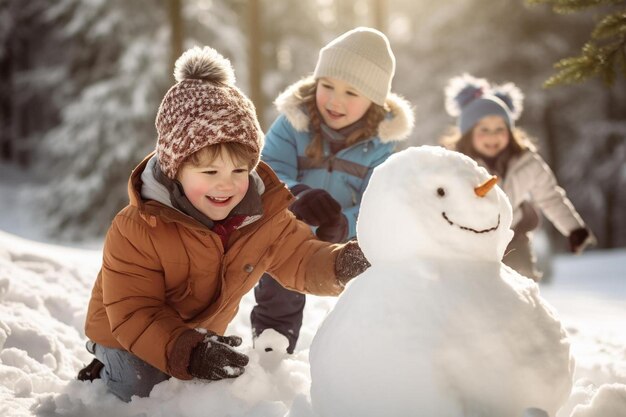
pixel 203 108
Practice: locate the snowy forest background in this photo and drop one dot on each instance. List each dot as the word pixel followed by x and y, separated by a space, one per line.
pixel 81 81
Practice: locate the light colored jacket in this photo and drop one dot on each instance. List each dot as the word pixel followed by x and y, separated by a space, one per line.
pixel 344 175
pixel 529 178
pixel 164 273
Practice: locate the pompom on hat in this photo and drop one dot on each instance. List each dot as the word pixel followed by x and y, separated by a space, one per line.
pixel 203 108
pixel 361 57
pixel 472 98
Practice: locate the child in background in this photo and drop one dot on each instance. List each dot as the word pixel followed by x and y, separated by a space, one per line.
pixel 487 133
pixel 334 128
pixel 206 219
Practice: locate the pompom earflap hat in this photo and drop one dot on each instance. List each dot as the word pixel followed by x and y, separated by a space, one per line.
pixel 470 99
pixel 203 108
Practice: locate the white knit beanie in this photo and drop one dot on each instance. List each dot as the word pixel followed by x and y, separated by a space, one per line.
pixel 361 57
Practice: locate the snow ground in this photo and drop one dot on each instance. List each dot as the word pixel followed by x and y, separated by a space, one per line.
pixel 44 291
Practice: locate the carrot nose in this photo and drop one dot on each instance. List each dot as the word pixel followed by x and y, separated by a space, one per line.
pixel 484 188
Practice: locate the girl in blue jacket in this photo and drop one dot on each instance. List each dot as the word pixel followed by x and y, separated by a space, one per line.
pixel 334 128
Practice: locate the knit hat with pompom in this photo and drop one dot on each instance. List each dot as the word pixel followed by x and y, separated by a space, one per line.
pixel 472 98
pixel 203 108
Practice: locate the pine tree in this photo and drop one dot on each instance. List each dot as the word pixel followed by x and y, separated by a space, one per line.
pixel 604 55
pixel 30 77
pixel 116 75
pixel 115 78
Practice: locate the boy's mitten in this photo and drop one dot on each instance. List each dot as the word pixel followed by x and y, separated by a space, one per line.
pixel 350 262
pixel 315 207
pixel 579 239
pixel 335 231
pixel 214 358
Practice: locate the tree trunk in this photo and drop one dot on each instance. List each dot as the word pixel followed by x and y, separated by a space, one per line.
pixel 551 156
pixel 379 14
pixel 255 45
pixel 344 16
pixel 615 111
pixel 6 75
pixel 177 34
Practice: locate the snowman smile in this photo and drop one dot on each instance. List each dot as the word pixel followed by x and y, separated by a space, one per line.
pixel 469 228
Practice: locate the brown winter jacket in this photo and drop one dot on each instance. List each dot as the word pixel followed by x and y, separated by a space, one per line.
pixel 164 273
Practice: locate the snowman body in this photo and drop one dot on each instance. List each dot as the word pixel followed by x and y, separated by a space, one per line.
pixel 437 326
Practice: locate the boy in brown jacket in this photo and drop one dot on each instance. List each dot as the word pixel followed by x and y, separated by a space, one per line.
pixel 206 219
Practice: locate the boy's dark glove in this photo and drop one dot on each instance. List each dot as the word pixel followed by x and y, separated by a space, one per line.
pixel 350 262
pixel 579 239
pixel 214 358
pixel 335 231
pixel 91 371
pixel 315 207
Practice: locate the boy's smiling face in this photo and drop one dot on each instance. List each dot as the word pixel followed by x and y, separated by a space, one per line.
pixel 215 187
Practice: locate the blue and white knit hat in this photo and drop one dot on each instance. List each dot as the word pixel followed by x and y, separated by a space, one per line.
pixel 472 98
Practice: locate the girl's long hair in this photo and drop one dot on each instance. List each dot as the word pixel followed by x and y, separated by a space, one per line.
pixel 373 116
pixel 519 142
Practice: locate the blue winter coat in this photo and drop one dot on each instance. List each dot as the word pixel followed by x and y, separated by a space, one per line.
pixel 346 174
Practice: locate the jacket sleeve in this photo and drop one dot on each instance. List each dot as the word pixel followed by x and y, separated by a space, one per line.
pixel 551 198
pixel 280 151
pixel 301 262
pixel 384 151
pixel 133 291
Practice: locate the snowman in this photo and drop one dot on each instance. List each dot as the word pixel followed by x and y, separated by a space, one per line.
pixel 438 326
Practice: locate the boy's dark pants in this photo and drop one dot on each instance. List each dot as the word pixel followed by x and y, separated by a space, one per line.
pixel 277 308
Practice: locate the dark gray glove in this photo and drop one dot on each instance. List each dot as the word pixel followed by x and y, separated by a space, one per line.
pixel 214 358
pixel 315 207
pixel 350 262
pixel 335 231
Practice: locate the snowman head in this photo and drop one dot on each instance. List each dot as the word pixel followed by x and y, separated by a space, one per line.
pixel 430 202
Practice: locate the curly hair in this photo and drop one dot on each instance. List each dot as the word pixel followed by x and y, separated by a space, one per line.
pixel 373 116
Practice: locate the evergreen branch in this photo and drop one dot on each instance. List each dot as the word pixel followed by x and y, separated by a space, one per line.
pixel 594 61
pixel 571 6
pixel 603 55
pixel 610 26
pixel 572 70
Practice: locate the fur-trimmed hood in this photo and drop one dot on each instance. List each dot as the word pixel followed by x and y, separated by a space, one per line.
pixel 395 127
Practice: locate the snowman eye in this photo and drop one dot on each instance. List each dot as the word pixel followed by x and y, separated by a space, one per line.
pixel 441 192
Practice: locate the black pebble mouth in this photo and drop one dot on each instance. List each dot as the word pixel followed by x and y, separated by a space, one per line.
pixel 469 229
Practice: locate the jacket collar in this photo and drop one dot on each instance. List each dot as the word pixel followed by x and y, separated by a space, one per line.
pixel 395 127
